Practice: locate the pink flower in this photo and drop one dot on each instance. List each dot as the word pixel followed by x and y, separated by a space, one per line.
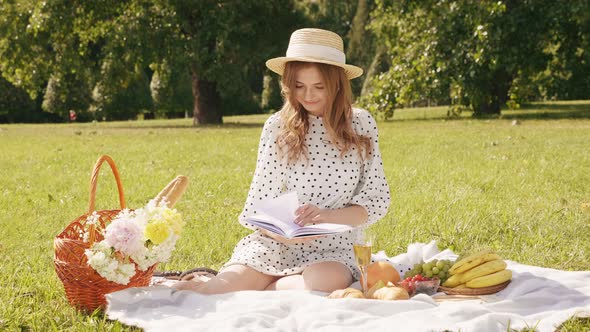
pixel 124 235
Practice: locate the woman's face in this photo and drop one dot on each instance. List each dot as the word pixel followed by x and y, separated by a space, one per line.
pixel 310 90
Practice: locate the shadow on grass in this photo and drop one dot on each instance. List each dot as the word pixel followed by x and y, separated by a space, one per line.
pixel 550 111
pixel 227 125
pixel 533 111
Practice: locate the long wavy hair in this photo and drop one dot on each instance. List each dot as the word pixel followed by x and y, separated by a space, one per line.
pixel 337 118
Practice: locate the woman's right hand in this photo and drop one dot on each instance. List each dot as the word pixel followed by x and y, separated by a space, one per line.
pixel 287 241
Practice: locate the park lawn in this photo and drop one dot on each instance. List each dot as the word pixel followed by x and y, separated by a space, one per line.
pixel 517 185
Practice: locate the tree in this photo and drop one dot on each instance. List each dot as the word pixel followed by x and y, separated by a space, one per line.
pixel 171 90
pixel 349 19
pixel 65 49
pixel 467 53
pixel 224 43
pixel 221 44
pixel 66 93
pixel 567 74
pixel 127 102
pixel 12 102
pixel 362 49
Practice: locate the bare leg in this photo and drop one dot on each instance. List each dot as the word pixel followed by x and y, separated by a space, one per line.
pixel 324 277
pixel 231 279
pixel 294 281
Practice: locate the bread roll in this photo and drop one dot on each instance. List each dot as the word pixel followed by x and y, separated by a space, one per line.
pixel 391 293
pixel 346 293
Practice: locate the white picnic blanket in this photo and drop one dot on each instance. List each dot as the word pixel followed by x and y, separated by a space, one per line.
pixel 537 297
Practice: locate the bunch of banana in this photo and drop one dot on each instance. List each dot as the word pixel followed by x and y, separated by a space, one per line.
pixel 483 269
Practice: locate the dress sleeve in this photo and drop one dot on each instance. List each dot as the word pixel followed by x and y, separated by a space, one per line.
pixel 372 191
pixel 269 176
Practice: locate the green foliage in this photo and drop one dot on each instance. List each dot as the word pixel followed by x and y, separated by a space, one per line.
pixel 271 98
pixel 566 75
pixel 381 100
pixel 16 106
pixel 230 52
pixel 66 93
pixel 171 90
pixel 102 46
pixel 335 16
pixel 348 19
pixel 468 54
pixel 124 104
pixel 471 52
pixel 23 60
pixel 12 101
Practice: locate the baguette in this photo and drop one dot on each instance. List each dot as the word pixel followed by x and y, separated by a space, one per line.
pixel 173 191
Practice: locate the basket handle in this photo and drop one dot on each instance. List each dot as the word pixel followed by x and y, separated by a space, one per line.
pixel 94 180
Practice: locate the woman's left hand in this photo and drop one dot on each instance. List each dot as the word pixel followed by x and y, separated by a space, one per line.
pixel 310 214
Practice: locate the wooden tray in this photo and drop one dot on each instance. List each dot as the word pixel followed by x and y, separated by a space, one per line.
pixel 474 291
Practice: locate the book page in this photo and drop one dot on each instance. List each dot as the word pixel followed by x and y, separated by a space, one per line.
pixel 277 215
pixel 282 208
pixel 320 229
pixel 272 224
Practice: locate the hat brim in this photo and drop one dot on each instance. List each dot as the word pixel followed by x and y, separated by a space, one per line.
pixel 278 65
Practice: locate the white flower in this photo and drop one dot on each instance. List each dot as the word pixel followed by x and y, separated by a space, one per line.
pixel 101 260
pixel 91 220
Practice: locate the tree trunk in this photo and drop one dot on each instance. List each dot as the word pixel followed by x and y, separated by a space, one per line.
pixel 378 65
pixel 207 102
pixel 486 109
pixel 498 96
pixel 357 35
pixel 271 93
pixel 360 46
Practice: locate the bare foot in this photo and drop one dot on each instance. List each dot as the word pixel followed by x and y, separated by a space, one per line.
pixel 193 281
pixel 199 275
pixel 188 285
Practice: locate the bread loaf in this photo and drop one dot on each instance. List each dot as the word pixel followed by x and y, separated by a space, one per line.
pixel 173 191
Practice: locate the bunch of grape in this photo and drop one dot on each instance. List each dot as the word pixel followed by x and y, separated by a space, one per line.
pixel 434 268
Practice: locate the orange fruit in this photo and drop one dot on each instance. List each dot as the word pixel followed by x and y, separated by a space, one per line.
pixel 381 271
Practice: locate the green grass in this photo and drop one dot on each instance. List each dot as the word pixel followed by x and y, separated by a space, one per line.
pixel 520 189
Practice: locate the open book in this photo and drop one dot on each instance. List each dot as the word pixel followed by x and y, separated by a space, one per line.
pixel 277 215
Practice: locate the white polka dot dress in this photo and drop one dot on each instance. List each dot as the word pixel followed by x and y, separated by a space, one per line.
pixel 325 180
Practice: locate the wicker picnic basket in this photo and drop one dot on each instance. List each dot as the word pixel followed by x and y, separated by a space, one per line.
pixel 84 287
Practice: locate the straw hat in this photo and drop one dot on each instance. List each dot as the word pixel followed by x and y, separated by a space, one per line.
pixel 315 45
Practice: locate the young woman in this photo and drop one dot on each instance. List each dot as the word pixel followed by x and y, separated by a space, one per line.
pixel 326 151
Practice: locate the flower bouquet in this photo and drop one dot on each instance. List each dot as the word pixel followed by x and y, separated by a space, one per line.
pixel 104 251
pixel 133 239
